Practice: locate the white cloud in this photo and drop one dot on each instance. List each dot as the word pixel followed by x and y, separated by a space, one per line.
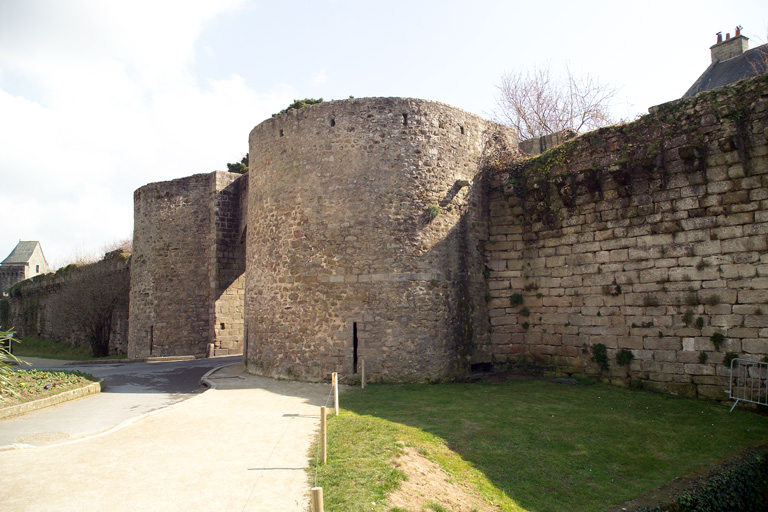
pixel 320 77
pixel 115 104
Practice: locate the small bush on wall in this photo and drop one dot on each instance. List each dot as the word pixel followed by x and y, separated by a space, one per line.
pixel 624 357
pixel 600 355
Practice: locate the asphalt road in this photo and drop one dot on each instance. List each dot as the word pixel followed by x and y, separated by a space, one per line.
pixel 130 390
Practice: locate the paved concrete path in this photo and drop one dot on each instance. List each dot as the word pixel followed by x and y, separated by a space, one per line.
pixel 241 447
pixel 130 391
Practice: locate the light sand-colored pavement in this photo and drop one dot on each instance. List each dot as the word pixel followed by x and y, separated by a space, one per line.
pixel 130 391
pixel 240 447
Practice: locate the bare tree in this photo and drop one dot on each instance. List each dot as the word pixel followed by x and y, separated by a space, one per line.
pixel 125 244
pixel 539 103
pixel 79 256
pixel 83 255
pixel 87 302
pixel 759 64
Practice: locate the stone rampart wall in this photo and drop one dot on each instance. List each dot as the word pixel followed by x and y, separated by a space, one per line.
pixel 74 303
pixel 650 237
pixel 365 227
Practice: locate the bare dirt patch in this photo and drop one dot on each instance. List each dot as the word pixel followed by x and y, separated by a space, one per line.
pixel 427 483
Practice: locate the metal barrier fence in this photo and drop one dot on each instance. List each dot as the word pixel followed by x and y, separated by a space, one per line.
pixel 749 382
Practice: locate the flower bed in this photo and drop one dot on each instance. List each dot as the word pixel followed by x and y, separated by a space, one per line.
pixel 27 385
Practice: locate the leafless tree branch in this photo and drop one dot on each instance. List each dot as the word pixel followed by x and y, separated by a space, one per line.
pixel 537 103
pixel 760 65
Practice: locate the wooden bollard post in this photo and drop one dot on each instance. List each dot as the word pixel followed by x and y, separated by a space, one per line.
pixel 317 499
pixel 323 436
pixel 362 373
pixel 336 393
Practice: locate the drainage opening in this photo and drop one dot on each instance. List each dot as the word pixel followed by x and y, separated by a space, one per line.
pixel 482 367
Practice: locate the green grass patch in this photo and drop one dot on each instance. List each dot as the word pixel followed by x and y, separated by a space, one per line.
pixel 359 463
pixel 34 347
pixel 530 445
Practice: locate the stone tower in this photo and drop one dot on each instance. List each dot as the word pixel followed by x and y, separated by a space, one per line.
pixel 366 221
pixel 187 267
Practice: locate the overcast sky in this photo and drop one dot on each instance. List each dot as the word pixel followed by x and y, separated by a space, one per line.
pixel 99 97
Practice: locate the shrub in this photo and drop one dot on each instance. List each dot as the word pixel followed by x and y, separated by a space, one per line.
pixel 600 355
pixel 299 104
pixel 742 487
pixel 515 299
pixel 717 340
pixel 240 167
pixel 624 357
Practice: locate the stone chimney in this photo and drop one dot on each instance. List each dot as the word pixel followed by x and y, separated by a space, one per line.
pixel 731 47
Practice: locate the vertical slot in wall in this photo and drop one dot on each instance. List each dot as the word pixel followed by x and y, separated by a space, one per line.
pixel 354 347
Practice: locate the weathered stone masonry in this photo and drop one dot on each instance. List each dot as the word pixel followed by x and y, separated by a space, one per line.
pixel 67 305
pixel 366 220
pixel 186 274
pixel 373 233
pixel 650 237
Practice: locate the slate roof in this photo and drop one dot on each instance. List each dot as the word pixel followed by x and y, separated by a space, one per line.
pixel 21 254
pixel 747 65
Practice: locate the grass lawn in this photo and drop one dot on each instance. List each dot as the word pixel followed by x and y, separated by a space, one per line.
pixel 34 347
pixel 527 445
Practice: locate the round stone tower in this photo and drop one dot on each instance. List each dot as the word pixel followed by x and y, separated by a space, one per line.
pixel 366 219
